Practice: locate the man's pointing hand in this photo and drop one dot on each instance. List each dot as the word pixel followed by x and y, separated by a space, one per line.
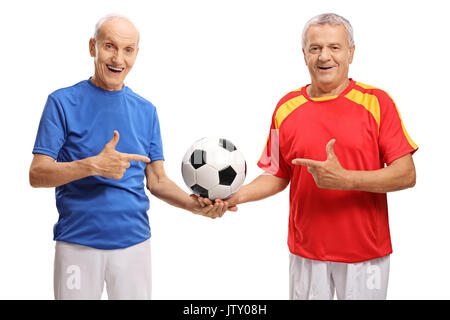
pixel 327 174
pixel 111 163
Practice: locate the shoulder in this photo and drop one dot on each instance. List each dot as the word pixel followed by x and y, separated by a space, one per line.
pixel 70 92
pixel 295 96
pixel 140 101
pixel 287 104
pixel 381 95
pixel 76 88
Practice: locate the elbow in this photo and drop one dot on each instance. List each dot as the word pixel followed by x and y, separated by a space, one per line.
pixel 411 181
pixel 157 185
pixel 155 192
pixel 151 188
pixel 34 178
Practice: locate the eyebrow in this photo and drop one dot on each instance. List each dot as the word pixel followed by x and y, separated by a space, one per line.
pixel 330 44
pixel 114 42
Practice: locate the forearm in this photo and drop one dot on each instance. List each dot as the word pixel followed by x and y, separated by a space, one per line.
pixel 53 174
pixel 262 187
pixel 382 180
pixel 168 191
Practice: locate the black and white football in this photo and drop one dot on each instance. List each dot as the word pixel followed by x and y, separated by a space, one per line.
pixel 213 168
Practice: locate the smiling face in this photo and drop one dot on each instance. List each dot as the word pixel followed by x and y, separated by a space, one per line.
pixel 114 53
pixel 328 56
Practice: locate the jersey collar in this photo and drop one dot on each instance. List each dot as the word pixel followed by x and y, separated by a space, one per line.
pixel 328 98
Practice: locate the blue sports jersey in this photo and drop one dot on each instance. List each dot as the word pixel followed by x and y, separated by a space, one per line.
pixel 76 123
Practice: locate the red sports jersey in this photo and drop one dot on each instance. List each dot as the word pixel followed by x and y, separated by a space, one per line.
pixel 336 225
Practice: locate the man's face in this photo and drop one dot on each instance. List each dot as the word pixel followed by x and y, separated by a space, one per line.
pixel 114 53
pixel 327 55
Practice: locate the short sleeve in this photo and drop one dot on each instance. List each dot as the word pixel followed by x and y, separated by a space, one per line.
pixel 394 141
pixel 156 147
pixel 271 159
pixel 51 133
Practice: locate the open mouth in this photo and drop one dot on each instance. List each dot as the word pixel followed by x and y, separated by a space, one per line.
pixel 114 69
pixel 325 68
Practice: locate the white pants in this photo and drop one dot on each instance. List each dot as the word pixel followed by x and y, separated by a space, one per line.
pixel 80 272
pixel 313 279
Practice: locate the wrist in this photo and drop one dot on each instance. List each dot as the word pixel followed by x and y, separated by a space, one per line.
pixel 192 205
pixel 239 196
pixel 88 166
pixel 351 180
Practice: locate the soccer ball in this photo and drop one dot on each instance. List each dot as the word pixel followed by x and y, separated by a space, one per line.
pixel 213 168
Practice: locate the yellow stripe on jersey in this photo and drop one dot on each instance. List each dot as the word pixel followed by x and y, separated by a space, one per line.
pixel 365 86
pixel 368 101
pixel 415 146
pixel 286 108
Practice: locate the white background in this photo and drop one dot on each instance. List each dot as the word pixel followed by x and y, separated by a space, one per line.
pixel 219 68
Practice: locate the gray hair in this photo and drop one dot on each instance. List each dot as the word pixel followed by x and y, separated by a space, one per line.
pixel 109 17
pixel 332 19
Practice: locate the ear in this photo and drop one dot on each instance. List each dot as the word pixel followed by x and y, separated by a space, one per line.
pixel 304 56
pixel 352 51
pixel 92 50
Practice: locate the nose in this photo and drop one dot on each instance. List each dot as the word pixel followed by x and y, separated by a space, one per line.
pixel 118 58
pixel 324 55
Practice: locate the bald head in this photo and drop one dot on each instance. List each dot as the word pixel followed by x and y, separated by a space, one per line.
pixel 118 21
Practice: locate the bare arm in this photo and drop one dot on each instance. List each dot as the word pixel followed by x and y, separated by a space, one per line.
pixel 329 174
pixel 262 187
pixel 45 172
pixel 159 185
pixel 399 175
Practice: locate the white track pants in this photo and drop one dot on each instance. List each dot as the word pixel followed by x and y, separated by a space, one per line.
pixel 80 272
pixel 313 279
